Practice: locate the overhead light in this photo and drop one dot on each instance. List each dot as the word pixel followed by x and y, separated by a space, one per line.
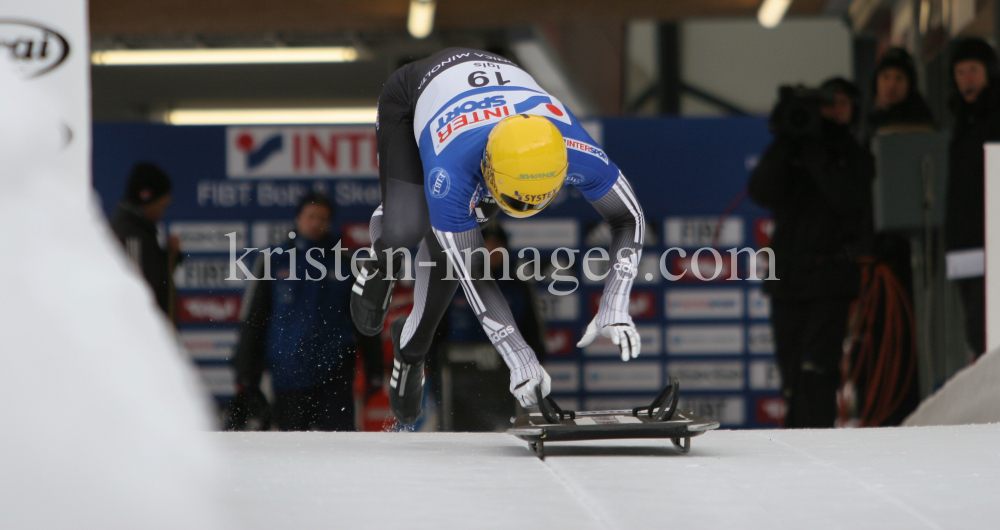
pixel 771 12
pixel 421 19
pixel 274 116
pixel 182 56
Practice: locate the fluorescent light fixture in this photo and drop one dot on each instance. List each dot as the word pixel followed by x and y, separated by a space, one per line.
pixel 771 12
pixel 420 22
pixel 278 116
pixel 162 57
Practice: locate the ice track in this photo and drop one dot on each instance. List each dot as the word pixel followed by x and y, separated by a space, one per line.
pixel 919 477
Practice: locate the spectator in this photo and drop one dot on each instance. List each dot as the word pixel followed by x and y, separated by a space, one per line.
pixel 147 196
pixel 896 103
pixel 976 106
pixel 297 325
pixel 817 186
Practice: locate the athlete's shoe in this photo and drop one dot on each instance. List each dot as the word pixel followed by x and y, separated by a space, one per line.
pixel 370 298
pixel 406 386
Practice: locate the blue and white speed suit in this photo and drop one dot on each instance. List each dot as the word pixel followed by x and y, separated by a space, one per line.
pixel 435 116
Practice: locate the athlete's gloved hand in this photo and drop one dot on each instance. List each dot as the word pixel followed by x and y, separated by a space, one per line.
pixel 624 336
pixel 524 380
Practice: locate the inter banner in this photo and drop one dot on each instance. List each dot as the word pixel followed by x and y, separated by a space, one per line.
pixel 46 44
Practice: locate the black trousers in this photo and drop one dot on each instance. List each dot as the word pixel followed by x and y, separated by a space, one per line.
pixel 404 222
pixel 973 293
pixel 808 341
pixel 329 408
pixel 405 219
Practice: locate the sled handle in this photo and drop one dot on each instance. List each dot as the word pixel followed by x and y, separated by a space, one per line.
pixel 664 404
pixel 550 410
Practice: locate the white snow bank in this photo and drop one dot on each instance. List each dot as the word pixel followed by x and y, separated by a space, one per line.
pixel 102 416
pixel 971 396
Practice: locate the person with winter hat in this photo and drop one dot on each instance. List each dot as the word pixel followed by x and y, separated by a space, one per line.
pixel 975 104
pixel 147 195
pixel 896 103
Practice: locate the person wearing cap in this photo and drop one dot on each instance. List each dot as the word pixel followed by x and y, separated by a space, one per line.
pixel 463 135
pixel 975 104
pixel 147 196
pixel 896 103
pixel 817 185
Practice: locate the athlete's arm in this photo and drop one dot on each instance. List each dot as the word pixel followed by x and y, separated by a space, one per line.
pixel 467 254
pixel 622 211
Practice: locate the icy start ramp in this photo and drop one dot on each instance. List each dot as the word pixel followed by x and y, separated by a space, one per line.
pixel 920 477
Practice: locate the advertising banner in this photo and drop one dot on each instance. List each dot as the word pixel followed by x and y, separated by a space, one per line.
pixel 47 45
pixel 240 185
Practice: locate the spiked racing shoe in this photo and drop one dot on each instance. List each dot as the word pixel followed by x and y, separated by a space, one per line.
pixel 406 385
pixel 370 298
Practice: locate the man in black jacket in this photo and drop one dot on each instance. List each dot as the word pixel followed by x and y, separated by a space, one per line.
pixel 817 187
pixel 976 106
pixel 147 195
pixel 896 102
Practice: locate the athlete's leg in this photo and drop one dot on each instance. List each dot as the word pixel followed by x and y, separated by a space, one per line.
pixel 402 220
pixel 432 296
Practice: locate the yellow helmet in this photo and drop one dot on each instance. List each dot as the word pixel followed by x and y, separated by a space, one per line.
pixel 525 163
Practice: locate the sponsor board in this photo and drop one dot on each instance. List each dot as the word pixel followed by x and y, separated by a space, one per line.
pixel 764 375
pixel 209 236
pixel 648 272
pixel 265 234
pixel 559 341
pixel 219 380
pixel 729 411
pixel 356 235
pixel 301 152
pixel 762 230
pixel 559 308
pixel 702 340
pixel 599 234
pixel 633 376
pixel 207 273
pixel 350 192
pixel 708 375
pixel 770 410
pixel 543 234
pixel 760 339
pixel 701 232
pixel 268 194
pixel 758 303
pixel 565 376
pixel 209 345
pixel 707 303
pixel 33 50
pixel 641 304
pixel 708 268
pixel 649 335
pixel 216 308
pixel 567 402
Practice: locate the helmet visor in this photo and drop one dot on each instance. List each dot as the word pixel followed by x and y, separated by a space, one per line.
pixel 521 206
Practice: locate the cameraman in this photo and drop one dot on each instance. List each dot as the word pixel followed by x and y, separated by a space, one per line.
pixel 816 180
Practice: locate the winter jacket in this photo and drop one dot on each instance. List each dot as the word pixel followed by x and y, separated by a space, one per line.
pixel 819 192
pixel 299 329
pixel 975 123
pixel 138 235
